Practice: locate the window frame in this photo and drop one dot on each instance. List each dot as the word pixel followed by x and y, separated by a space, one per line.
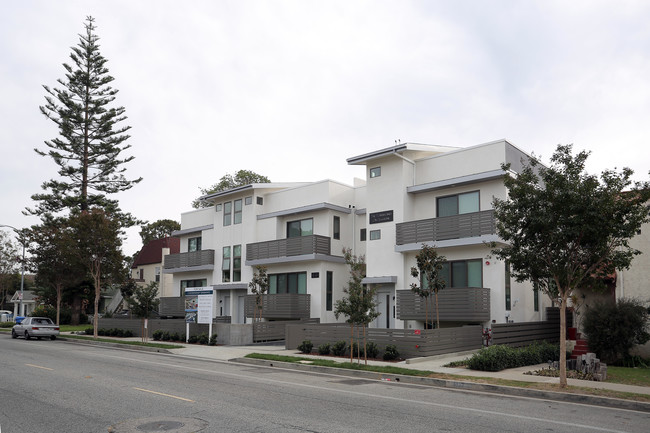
pixel 457 196
pixel 448 273
pixel 284 280
pixel 194 244
pixel 203 282
pixel 226 262
pixel 236 263
pixel 300 221
pixel 329 290
pixel 374 235
pixel 336 227
pixel 237 214
pixel 374 172
pixel 227 213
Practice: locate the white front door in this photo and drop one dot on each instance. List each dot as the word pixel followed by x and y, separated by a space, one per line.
pixel 241 315
pixel 384 299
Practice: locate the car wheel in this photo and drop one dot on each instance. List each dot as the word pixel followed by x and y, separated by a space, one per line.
pixel 27 336
pixel 13 334
pixel 52 337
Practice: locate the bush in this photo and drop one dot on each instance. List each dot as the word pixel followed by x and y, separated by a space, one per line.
pixel 391 352
pixel 7 324
pixel 203 338
pixel 500 357
pixel 614 329
pixel 192 339
pixel 305 346
pixel 213 340
pixel 339 348
pixel 90 331
pixel 165 336
pixel 372 350
pixel 128 333
pixel 176 337
pixel 324 349
pixel 157 334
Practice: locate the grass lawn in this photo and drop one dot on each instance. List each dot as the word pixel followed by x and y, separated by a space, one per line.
pixel 629 376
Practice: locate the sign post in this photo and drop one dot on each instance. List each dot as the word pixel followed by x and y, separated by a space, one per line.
pixel 199 306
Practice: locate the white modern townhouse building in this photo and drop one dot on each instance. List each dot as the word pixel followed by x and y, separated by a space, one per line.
pixel 413 194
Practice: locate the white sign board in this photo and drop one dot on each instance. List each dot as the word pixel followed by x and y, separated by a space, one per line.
pixel 200 301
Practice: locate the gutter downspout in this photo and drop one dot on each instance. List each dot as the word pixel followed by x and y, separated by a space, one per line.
pixel 407 160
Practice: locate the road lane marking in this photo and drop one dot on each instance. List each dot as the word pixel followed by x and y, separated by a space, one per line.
pixel 163 394
pixel 38 366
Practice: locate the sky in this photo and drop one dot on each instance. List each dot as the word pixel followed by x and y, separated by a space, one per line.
pixel 291 89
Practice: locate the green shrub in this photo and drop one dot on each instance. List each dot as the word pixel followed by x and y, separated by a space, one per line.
pixel 7 324
pixel 182 338
pixel 371 349
pixel 614 329
pixel 213 340
pixel 157 334
pixel 90 331
pixel 305 346
pixel 203 338
pixel 175 337
pixel 501 357
pixel 165 336
pixel 339 348
pixel 391 352
pixel 128 333
pixel 324 349
pixel 102 332
pixel 192 339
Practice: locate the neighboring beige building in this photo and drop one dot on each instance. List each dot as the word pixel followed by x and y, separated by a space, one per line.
pixel 148 264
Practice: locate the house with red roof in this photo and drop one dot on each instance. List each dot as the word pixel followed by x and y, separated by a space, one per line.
pixel 150 261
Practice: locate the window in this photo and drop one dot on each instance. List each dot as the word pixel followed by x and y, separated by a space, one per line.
pixel 238 211
pixel 457 204
pixel 328 291
pixel 227 213
pixel 508 293
pixel 295 282
pixel 192 283
pixel 375 172
pixel 337 228
pixel 225 265
pixel 157 274
pixel 463 273
pixel 141 274
pixel 194 244
pixel 248 200
pixel 375 235
pixel 260 200
pixel 362 235
pixel 299 228
pixel 218 208
pixel 535 297
pixel 236 263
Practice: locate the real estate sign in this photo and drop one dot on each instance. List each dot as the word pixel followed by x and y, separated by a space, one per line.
pixel 199 304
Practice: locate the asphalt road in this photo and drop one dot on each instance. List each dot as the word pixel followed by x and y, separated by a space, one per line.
pixel 56 386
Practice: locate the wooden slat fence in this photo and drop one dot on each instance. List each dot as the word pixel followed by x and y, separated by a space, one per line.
pixel 280 306
pixel 409 344
pixel 276 330
pixel 443 228
pixel 525 333
pixel 454 304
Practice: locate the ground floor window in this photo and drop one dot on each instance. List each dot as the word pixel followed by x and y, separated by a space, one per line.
pixel 193 283
pixel 294 282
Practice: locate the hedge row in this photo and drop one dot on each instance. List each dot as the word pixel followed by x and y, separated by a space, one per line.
pixel 341 348
pixel 501 357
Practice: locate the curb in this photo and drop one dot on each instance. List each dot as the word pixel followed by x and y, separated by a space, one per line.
pixel 113 345
pixel 459 385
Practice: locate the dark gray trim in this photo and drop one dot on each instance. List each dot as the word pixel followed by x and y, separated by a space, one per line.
pixel 192 230
pixel 360 211
pixel 304 209
pixel 456 181
pixel 188 269
pixel 392 279
pixel 476 240
pixel 301 258
pixel 230 286
pixel 226 192
pixel 381 152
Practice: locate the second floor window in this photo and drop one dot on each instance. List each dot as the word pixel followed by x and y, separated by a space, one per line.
pixel 337 228
pixel 227 213
pixel 225 266
pixel 194 244
pixel 238 212
pixel 299 228
pixel 294 282
pixel 457 204
pixel 236 263
pixel 463 273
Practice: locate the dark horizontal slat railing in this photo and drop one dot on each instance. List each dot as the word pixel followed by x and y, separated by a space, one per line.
pixel 313 244
pixel 443 228
pixel 194 258
pixel 280 306
pixel 454 304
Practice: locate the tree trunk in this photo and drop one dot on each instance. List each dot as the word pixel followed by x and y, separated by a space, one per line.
pixel 563 382
pixel 58 303
pixel 351 341
pixel 76 310
pixel 365 346
pixel 437 317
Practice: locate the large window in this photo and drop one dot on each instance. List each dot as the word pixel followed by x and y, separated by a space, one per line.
pixel 192 283
pixel 329 290
pixel 194 244
pixel 236 263
pixel 458 204
pixel 508 287
pixel 299 228
pixel 295 282
pixel 225 265
pixel 237 216
pixel 463 273
pixel 336 232
pixel 227 213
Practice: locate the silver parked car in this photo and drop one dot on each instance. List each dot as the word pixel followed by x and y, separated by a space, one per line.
pixel 35 327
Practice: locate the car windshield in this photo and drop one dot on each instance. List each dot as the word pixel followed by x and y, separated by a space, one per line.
pixel 42 322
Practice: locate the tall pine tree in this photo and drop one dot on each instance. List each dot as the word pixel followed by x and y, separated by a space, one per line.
pixel 91 137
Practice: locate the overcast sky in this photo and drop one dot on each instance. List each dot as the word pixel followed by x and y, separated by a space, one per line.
pixel 290 89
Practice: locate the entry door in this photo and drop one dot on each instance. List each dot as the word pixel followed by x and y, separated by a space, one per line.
pixel 241 315
pixel 226 305
pixel 384 308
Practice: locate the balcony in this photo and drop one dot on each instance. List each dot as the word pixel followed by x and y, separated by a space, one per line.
pixel 454 305
pixel 280 306
pixel 193 261
pixel 469 225
pixel 313 247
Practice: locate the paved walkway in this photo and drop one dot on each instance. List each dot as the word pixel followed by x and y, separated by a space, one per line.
pixel 434 364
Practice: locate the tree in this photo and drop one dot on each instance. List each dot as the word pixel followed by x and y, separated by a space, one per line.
pixel 564 229
pixel 241 178
pixel 90 142
pixel 99 248
pixel 158 230
pixel 259 285
pixel 9 260
pixel 144 302
pixel 359 304
pixel 429 266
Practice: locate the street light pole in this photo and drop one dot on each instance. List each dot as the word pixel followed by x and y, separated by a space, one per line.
pixel 22 272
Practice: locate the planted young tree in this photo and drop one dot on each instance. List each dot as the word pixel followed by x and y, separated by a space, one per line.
pixel 564 229
pixel 144 302
pixel 259 285
pixel 229 181
pixel 428 271
pixel 158 230
pixel 99 248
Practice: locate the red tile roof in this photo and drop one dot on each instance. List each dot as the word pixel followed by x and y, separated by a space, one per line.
pixel 152 252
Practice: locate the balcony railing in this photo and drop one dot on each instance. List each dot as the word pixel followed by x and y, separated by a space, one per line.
pixel 280 306
pixel 443 228
pixel 313 244
pixel 455 304
pixel 186 260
